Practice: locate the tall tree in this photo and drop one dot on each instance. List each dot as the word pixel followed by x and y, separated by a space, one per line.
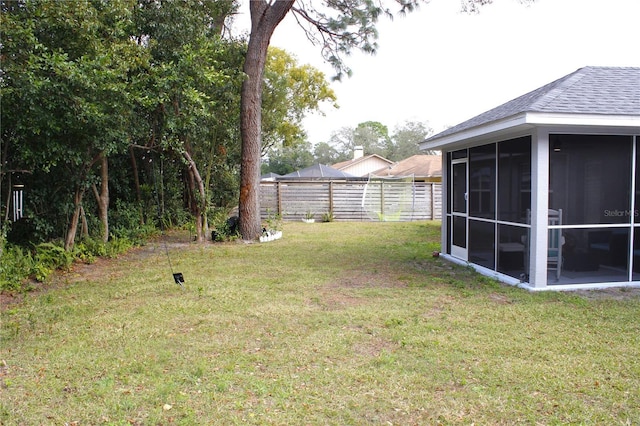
pixel 345 25
pixel 325 154
pixel 342 141
pixel 290 90
pixel 265 17
pixel 339 27
pixel 406 138
pixel 185 87
pixel 66 69
pixel 289 159
pixel 373 137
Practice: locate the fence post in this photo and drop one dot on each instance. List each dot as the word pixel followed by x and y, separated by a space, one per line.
pixel 433 203
pixel 331 196
pixel 382 200
pixel 279 206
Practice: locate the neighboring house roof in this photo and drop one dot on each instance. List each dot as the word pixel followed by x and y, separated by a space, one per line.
pixel 420 165
pixel 362 166
pixel 580 98
pixel 317 171
pixel 364 159
pixel 270 176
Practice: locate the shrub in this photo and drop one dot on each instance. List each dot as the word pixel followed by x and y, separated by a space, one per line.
pixel 126 222
pixel 54 255
pixel 273 221
pixel 90 248
pixel 328 217
pixel 16 264
pixel 48 258
pixel 225 228
pixel 117 246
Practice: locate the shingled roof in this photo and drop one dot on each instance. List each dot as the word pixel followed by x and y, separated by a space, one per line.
pixel 420 165
pixel 613 91
pixel 317 171
pixel 344 164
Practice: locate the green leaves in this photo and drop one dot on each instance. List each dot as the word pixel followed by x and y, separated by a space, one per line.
pixel 347 25
pixel 68 92
pixel 290 91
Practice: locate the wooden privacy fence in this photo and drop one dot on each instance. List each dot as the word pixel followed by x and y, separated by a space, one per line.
pixel 385 201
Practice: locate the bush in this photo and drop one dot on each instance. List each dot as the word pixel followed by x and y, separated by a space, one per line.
pixel 16 264
pixel 89 249
pixel 48 258
pixel 225 228
pixel 117 246
pixel 126 222
pixel 54 255
pixel 327 217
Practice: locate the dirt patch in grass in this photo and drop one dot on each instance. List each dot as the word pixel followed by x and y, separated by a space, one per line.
pixel 617 293
pixel 364 279
pixel 331 301
pixel 373 347
pixel 500 299
pixel 338 294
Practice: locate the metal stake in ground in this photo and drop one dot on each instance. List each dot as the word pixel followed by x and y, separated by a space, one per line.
pixel 178 278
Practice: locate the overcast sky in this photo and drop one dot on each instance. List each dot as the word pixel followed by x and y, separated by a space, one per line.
pixel 442 67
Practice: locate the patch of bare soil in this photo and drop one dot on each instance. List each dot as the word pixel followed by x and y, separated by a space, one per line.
pixel 338 295
pixel 364 279
pixel 617 293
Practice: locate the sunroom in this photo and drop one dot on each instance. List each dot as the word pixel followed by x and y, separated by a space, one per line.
pixel 544 191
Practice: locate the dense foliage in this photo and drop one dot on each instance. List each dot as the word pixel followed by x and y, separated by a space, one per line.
pixel 120 117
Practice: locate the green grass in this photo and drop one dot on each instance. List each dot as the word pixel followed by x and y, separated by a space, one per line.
pixel 335 323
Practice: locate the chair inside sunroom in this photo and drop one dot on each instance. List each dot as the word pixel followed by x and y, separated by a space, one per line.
pixel 554 243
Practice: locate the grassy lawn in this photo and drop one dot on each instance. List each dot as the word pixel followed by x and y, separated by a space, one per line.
pixel 336 323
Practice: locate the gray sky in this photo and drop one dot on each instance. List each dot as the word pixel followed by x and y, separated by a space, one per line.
pixel 442 67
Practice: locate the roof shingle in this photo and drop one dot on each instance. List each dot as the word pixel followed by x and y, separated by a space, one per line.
pixel 420 165
pixel 589 90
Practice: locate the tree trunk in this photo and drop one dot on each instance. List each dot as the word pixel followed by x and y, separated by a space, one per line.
pixel 199 202
pixel 3 162
pixel 136 182
pixel 8 203
pixel 264 20
pixel 84 231
pixel 102 197
pixel 73 226
pixel 136 176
